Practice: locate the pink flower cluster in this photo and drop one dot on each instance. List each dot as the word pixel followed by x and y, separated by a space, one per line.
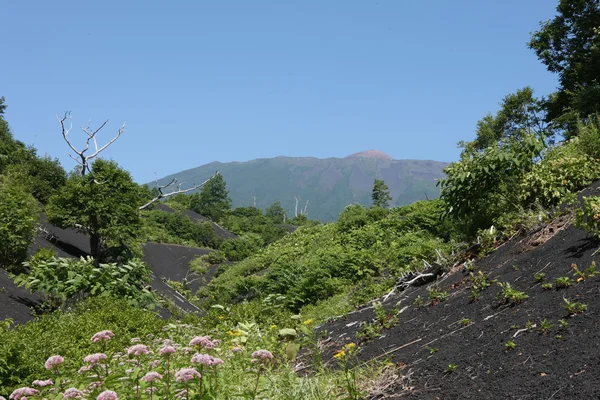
pixel 73 393
pixel 102 336
pixel 22 393
pixel 166 350
pixel 204 341
pixel 187 374
pixel 206 359
pixel 151 376
pixel 262 355
pixel 47 382
pixel 94 359
pixel 53 362
pixel 137 350
pixel 107 395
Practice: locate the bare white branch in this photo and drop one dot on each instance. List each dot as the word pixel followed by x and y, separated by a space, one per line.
pixel 84 160
pixel 163 195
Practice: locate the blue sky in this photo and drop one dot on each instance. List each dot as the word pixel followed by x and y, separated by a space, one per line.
pixel 202 81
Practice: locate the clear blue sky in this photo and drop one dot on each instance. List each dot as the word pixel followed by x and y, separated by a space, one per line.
pixel 202 81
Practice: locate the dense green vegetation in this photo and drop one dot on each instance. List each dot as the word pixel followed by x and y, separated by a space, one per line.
pixel 528 158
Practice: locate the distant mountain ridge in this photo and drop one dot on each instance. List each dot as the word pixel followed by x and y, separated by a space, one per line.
pixel 328 184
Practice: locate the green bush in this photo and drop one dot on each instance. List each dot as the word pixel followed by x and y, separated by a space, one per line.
pixel 173 227
pixel 587 216
pixel 588 137
pixel 242 247
pixel 18 215
pixel 62 279
pixel 24 349
pixel 564 169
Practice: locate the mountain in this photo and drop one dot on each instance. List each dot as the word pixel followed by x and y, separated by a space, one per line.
pixel 328 184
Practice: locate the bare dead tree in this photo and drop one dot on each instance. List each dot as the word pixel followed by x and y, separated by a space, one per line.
pixel 303 211
pixel 175 190
pixel 81 158
pixel 296 208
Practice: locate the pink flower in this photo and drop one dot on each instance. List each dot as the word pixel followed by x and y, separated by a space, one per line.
pixel 237 349
pixel 203 341
pixel 85 368
pixel 137 350
pixel 187 350
pixel 93 359
pixel 186 374
pixel 102 336
pixel 22 393
pixel 155 363
pixel 262 355
pixel 206 359
pixel 53 362
pixel 47 382
pixel 151 376
pixel 72 393
pixel 107 395
pixel 166 350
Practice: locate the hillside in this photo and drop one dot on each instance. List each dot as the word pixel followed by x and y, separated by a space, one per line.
pixel 493 347
pixel 328 184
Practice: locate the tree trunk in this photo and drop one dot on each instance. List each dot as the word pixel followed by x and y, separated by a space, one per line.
pixel 96 248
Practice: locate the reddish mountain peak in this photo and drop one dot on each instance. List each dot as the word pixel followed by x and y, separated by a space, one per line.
pixel 371 154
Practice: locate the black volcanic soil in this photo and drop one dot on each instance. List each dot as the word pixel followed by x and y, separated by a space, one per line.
pixel 562 363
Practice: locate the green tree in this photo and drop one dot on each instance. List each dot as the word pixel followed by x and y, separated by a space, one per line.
pixel 275 213
pixel 18 213
pixel 482 185
pixel 213 200
pixel 569 45
pixel 381 194
pixel 2 106
pixel 103 204
pixel 520 114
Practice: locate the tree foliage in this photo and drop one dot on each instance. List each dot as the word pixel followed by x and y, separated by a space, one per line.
pixel 103 204
pixel 61 279
pixel 481 185
pixel 213 200
pixel 18 213
pixel 381 194
pixel 275 213
pixel 520 114
pixel 569 45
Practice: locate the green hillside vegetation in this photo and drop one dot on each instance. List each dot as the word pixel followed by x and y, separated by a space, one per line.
pixel 97 334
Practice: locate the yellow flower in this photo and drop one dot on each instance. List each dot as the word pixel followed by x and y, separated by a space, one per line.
pixel 221 317
pixel 307 322
pixel 235 332
pixel 339 354
pixel 273 326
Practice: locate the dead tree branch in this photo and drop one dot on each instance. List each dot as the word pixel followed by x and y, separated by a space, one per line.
pixel 82 159
pixel 176 190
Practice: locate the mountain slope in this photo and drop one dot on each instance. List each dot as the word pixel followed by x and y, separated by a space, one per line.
pixel 328 184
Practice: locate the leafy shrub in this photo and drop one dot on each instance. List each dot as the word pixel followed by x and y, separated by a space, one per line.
pixel 173 227
pixel 24 349
pixel 480 186
pixel 241 247
pixel 588 215
pixel 18 214
pixel 588 137
pixel 61 279
pixel 563 170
